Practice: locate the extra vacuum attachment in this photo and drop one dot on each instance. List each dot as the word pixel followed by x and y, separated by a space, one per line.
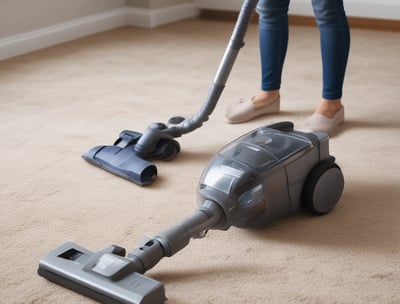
pixel 122 159
pixel 263 175
pixel 129 156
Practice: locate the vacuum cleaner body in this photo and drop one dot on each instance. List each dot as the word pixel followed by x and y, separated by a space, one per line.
pixel 262 175
pixel 265 174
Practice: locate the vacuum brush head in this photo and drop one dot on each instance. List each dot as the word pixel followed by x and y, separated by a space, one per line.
pixel 105 276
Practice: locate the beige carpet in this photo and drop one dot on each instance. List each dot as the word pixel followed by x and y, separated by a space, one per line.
pixel 57 103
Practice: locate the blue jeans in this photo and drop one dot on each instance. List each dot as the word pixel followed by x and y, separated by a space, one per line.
pixel 334 37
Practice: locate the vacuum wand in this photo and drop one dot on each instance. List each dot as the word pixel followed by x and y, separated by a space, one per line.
pixel 179 125
pixel 236 42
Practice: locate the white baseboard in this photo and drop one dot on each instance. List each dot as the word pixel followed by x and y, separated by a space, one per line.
pixel 377 9
pixel 156 17
pixel 59 33
pixel 226 5
pixel 30 41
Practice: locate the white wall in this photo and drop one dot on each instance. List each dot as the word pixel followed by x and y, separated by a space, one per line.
pixel 28 25
pixel 19 16
pixel 381 9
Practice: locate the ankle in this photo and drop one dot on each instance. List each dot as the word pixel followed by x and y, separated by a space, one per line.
pixel 329 107
pixel 264 98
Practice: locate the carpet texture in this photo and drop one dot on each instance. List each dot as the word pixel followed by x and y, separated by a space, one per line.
pixel 57 103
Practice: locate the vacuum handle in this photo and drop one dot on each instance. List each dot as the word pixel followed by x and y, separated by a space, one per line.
pixel 235 44
pixel 168 242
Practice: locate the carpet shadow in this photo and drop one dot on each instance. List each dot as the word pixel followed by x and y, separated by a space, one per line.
pixel 365 218
pixel 265 120
pixel 368 124
pixel 173 276
pixel 196 157
pixel 347 125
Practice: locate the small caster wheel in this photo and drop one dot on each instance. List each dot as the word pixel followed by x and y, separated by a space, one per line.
pixel 167 149
pixel 323 187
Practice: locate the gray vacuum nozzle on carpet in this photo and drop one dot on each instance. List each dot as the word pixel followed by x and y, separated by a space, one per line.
pixel 111 277
pixel 104 276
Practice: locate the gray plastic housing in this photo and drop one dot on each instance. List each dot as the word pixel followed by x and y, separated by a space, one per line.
pixel 260 176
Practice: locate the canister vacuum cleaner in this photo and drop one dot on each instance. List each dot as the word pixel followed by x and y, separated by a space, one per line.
pixel 263 175
pixel 267 173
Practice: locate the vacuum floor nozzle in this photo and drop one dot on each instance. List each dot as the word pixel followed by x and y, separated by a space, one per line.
pixel 123 162
pixel 104 276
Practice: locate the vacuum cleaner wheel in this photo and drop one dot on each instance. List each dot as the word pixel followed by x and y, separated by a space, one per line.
pixel 167 149
pixel 323 187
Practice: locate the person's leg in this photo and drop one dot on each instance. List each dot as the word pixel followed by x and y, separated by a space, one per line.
pixel 335 45
pixel 273 41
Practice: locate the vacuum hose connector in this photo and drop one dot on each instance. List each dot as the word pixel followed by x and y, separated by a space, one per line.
pixel 168 242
